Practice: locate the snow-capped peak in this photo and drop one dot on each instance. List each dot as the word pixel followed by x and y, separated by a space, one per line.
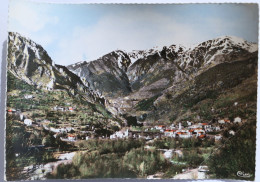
pixel 141 54
pixel 227 42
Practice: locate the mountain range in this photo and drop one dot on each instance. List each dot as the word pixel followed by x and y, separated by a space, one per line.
pixel 156 85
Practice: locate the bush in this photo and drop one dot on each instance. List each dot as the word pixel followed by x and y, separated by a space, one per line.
pixel 134 163
pixel 144 162
pixel 192 158
pixel 112 146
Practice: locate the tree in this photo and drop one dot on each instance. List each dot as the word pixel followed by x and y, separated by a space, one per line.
pixel 49 140
pixel 237 154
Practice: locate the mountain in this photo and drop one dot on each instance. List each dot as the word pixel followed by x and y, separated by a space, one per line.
pixel 140 82
pixel 165 85
pixel 29 62
pixel 107 75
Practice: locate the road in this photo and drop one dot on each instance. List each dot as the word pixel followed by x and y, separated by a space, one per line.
pixel 190 174
pixel 39 172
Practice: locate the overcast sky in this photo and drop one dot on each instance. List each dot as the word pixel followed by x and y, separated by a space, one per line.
pixel 73 33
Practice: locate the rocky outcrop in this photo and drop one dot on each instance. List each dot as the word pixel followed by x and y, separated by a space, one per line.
pixel 107 75
pixel 30 62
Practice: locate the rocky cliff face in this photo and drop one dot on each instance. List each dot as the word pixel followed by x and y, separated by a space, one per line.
pixel 30 62
pixel 107 75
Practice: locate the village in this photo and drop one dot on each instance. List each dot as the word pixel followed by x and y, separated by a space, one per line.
pixel 73 126
pixel 72 133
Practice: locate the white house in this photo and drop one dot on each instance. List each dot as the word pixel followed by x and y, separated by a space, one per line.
pixel 180 127
pixel 28 96
pixel 159 127
pixel 169 133
pixel 21 117
pixel 205 125
pixel 217 128
pixel 194 126
pixel 172 126
pixel 119 134
pixel 60 109
pixel 221 121
pixel 209 130
pixel 69 129
pixel 28 122
pixel 199 132
pixel 231 132
pixel 218 137
pixel 237 120
pixel 189 123
pixel 184 133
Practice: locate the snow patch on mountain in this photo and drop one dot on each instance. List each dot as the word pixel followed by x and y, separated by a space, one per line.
pixel 142 54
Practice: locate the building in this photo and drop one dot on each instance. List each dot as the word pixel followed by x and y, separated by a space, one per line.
pixel 231 132
pixel 227 120
pixel 217 128
pixel 28 122
pixel 189 123
pixel 11 110
pixel 199 132
pixel 172 126
pixel 28 96
pixel 221 121
pixel 72 137
pixel 237 120
pixel 195 126
pixel 218 137
pixel 160 127
pixel 180 127
pixel 183 134
pixel 120 134
pixel 169 133
pixel 21 117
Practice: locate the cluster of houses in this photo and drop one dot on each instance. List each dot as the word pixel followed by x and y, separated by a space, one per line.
pixel 60 108
pixel 225 121
pixel 164 131
pixel 61 130
pixel 120 134
pixel 70 138
pixel 64 130
pixel 198 130
pixel 191 129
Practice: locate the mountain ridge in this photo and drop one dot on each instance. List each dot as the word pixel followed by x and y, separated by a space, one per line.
pixel 140 82
pixel 185 61
pixel 154 72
